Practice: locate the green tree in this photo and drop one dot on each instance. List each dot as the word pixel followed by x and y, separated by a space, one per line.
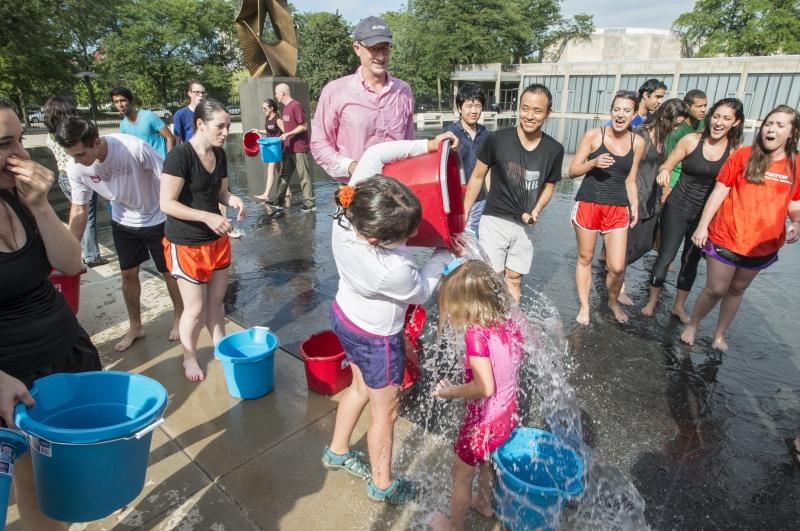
pixel 741 27
pixel 167 42
pixel 555 39
pixel 325 49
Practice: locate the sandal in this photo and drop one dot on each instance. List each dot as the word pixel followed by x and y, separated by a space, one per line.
pixel 352 462
pixel 399 492
pixel 793 450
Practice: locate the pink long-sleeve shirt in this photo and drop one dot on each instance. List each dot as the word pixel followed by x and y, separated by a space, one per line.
pixel 351 117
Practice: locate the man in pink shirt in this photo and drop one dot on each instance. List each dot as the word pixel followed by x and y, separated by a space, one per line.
pixel 366 108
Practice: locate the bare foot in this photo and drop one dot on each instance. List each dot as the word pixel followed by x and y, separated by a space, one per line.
pixel 688 334
pixel 720 344
pixel 439 522
pixel 127 340
pixel 619 315
pixel 583 316
pixel 174 335
pixel 193 371
pixel 672 269
pixel 262 197
pixel 235 234
pixel 624 299
pixel 649 309
pixel 681 314
pixel 482 505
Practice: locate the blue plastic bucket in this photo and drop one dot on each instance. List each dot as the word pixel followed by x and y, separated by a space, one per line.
pixel 90 439
pixel 12 445
pixel 248 361
pixel 271 149
pixel 536 476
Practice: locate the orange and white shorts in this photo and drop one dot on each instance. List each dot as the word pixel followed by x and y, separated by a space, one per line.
pixel 600 218
pixel 197 263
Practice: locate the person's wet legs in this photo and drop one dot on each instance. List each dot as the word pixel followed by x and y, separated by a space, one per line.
pixel 131 292
pixel 192 318
pixel 351 406
pixel 583 270
pixel 718 281
pixel 616 243
pixel 730 305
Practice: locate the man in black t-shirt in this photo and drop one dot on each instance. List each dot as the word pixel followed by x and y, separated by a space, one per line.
pixel 525 164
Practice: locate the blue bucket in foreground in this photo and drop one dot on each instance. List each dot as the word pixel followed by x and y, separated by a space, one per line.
pixel 271 149
pixel 90 439
pixel 536 476
pixel 248 361
pixel 12 445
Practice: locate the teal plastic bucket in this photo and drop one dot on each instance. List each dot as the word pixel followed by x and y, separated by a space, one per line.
pixel 537 474
pixel 248 360
pixel 90 439
pixel 271 148
pixel 12 445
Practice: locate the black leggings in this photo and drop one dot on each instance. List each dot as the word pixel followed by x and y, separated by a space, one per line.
pixel 677 225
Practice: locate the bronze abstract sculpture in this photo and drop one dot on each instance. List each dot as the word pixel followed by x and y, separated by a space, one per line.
pixel 261 58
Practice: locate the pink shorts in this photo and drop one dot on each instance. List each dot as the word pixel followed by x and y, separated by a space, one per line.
pixel 477 439
pixel 602 218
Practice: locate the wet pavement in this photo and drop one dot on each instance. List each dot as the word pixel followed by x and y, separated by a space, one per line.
pixel 699 433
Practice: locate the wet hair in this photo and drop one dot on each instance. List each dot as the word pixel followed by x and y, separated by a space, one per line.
pixel 626 95
pixel 473 294
pixel 737 132
pixel 538 88
pixel 650 86
pixel 382 208
pixel 206 110
pixel 663 122
pixel 694 95
pixel 122 91
pixel 760 159
pixel 74 129
pixel 470 91
pixel 55 109
pixel 272 103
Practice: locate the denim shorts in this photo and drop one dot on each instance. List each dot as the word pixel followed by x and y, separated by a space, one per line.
pixel 381 359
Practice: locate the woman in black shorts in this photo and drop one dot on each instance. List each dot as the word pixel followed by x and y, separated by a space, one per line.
pixel 701 156
pixel 607 201
pixel 655 132
pixel 196 244
pixel 39 334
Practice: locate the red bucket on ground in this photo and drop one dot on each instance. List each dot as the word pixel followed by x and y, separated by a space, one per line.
pixel 69 286
pixel 437 180
pixel 250 143
pixel 327 368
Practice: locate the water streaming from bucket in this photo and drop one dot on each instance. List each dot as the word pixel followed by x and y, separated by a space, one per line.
pixel 609 500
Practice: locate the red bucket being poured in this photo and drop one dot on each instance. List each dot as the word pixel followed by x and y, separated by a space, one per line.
pixel 437 180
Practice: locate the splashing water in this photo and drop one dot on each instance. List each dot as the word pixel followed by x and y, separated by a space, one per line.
pixel 545 398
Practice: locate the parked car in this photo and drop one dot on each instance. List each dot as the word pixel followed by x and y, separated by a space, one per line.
pixel 234 110
pixel 36 117
pixel 164 114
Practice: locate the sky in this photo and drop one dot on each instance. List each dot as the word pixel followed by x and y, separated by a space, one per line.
pixel 607 13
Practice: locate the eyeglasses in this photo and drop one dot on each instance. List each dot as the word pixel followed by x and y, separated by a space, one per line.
pixel 201 92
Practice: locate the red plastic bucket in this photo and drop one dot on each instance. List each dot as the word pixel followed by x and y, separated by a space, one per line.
pixel 69 287
pixel 415 322
pixel 437 180
pixel 250 143
pixel 327 368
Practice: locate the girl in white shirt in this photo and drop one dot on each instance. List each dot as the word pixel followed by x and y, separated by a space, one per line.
pixel 378 279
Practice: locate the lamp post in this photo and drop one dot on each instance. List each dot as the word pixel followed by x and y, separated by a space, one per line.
pixel 87 79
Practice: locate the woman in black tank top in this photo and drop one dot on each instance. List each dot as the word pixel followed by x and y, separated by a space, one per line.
pixel 607 200
pixel 273 126
pixel 701 156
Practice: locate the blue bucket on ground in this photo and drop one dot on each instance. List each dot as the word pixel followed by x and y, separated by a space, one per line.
pixel 248 361
pixel 537 474
pixel 12 445
pixel 271 148
pixel 90 439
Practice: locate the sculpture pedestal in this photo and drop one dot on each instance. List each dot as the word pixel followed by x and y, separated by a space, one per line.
pixel 251 97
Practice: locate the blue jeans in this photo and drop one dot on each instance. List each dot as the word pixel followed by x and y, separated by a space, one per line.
pixel 89 247
pixel 475 213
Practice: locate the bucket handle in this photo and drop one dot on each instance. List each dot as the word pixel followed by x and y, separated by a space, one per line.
pixel 138 435
pixel 443 175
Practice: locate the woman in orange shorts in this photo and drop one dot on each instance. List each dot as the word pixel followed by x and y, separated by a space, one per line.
pixel 607 201
pixel 196 244
pixel 743 224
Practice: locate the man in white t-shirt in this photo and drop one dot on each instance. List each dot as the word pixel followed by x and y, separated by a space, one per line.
pixel 126 171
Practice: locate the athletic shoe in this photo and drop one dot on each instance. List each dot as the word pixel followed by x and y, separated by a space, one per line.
pixel 399 492
pixel 273 205
pixel 353 462
pixel 94 263
pixel 306 208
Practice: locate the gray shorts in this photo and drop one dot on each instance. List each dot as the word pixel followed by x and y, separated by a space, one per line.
pixel 507 244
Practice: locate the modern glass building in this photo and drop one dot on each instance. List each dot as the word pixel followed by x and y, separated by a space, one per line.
pixel 582 91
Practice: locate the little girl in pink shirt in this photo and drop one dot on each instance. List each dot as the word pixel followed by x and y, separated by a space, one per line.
pixel 474 298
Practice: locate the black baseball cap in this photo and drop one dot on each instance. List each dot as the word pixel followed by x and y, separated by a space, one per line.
pixel 372 31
